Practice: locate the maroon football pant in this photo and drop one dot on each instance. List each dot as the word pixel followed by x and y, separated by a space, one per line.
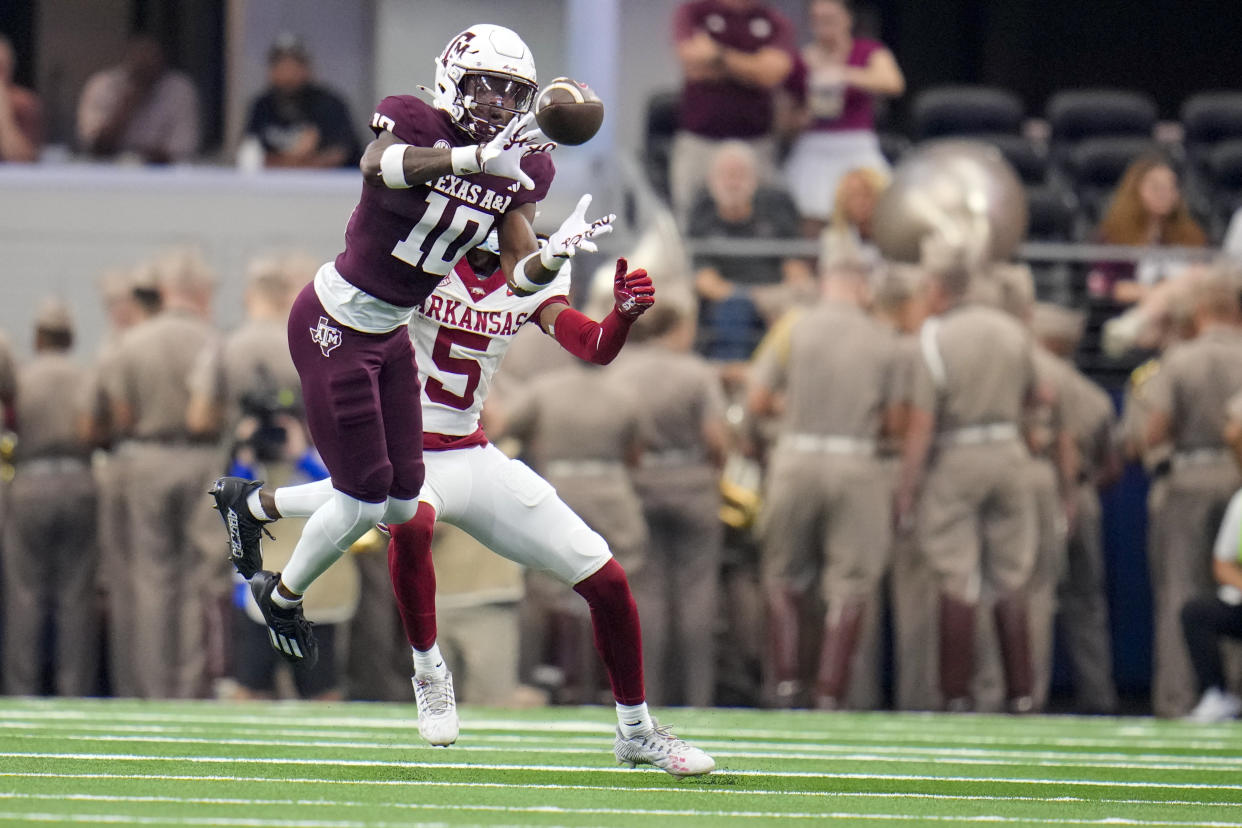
pixel 362 402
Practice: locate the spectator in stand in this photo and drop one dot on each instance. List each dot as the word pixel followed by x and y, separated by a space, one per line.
pixel 140 108
pixel 848 234
pixel 1146 210
pixel 21 112
pixel 838 80
pixel 734 55
pixel 298 122
pixel 731 288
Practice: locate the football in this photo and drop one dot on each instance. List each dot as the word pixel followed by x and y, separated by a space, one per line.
pixel 569 112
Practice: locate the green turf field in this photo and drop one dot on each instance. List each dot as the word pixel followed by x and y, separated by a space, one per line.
pixel 359 765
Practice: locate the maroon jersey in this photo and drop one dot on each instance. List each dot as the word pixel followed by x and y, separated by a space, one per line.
pixel 728 108
pixel 399 244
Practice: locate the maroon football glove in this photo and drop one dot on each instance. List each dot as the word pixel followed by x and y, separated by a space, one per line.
pixel 633 291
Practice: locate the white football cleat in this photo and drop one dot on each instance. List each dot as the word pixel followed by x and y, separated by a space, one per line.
pixel 437 709
pixel 661 748
pixel 1215 706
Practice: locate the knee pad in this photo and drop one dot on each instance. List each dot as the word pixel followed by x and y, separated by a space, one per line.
pixel 397 510
pixel 351 518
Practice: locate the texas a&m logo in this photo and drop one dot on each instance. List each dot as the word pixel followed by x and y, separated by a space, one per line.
pixel 457 48
pixel 325 336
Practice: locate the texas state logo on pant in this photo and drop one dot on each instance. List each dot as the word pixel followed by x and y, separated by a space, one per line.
pixel 325 336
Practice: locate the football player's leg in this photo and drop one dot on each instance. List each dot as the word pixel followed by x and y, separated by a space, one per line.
pixel 517 514
pixel 401 409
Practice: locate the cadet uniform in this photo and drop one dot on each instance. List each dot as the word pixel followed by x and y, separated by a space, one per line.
pixel 49 553
pixel 828 506
pixel 913 588
pixel 976 517
pixel 678 587
pixel 1082 594
pixel 164 474
pixel 1193 387
pixel 579 427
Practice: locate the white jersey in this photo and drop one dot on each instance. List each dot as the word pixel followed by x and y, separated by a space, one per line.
pixel 461 334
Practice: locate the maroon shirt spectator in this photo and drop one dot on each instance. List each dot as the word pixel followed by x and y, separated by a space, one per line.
pixel 734 55
pixel 836 83
pixel 21 113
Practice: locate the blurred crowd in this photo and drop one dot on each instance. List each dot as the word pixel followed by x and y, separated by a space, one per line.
pixel 819 466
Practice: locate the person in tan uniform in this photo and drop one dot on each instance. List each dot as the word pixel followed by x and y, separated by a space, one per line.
pixel 1082 594
pixel 1051 474
pixel 975 520
pixel 1187 399
pixel 164 472
pixel 49 541
pixel 245 391
pixel 678 482
pixel 583 432
pixel 130 296
pixel 827 519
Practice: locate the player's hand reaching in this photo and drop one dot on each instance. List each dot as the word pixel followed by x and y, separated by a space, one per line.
pixel 576 233
pixel 503 154
pixel 632 291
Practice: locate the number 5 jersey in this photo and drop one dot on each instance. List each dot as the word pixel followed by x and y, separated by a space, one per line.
pixel 461 333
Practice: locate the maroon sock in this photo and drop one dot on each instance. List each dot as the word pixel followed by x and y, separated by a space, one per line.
pixel 618 638
pixel 414 576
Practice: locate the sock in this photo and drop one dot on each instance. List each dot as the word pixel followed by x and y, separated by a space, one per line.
pixel 429 663
pixel 280 600
pixel 255 504
pixel 303 500
pixel 618 639
pixel 413 576
pixel 633 718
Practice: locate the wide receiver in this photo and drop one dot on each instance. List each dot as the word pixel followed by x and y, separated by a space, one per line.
pixel 437 179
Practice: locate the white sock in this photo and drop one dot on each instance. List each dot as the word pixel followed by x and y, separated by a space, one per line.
pixel 633 718
pixel 255 504
pixel 303 500
pixel 331 530
pixel 429 664
pixel 283 602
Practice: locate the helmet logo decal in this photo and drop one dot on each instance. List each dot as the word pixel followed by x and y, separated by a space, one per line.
pixel 457 48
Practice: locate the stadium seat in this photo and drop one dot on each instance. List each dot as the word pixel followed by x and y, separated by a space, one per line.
pixel 1096 165
pixel 963 110
pixel 1078 115
pixel 893 146
pixel 1208 119
pixel 662 113
pixel 1028 159
pixel 1224 179
pixel 1051 210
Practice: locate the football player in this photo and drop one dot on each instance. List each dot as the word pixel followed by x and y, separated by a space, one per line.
pixel 436 180
pixel 461 334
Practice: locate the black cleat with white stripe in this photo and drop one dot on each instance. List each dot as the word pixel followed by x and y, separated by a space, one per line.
pixel 245 530
pixel 287 629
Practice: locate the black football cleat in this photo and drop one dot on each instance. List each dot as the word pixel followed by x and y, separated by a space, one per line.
pixel 287 629
pixel 245 530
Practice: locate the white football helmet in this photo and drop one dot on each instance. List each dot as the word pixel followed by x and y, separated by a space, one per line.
pixel 485 77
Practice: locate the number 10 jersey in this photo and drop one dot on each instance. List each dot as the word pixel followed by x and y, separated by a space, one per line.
pixel 461 334
pixel 399 244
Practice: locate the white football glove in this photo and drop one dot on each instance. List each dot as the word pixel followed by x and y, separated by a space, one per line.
pixel 503 154
pixel 574 234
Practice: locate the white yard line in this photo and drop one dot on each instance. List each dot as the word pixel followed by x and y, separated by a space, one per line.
pixel 550 809
pixel 878 754
pixel 373 763
pixel 701 737
pixel 816 726
pixel 679 790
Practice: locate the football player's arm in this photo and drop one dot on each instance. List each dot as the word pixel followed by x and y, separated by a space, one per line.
pixel 600 342
pixel 528 267
pixel 420 164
